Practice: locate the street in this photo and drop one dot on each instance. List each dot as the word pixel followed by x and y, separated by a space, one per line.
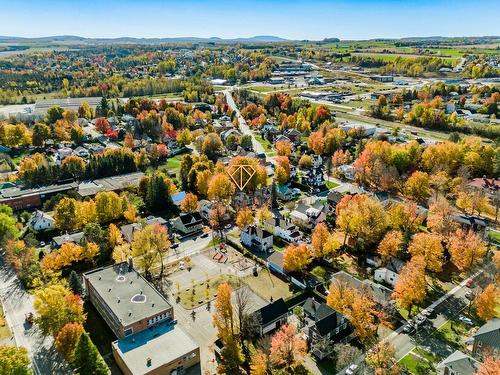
pixel 17 302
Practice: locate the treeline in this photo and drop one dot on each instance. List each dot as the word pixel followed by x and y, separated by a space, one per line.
pixel 413 67
pixel 36 169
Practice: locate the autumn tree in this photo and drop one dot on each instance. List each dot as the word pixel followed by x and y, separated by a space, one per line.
pixel 411 288
pixel 361 217
pixel 74 283
pixel 390 246
pixel 287 348
pixel 57 306
pixel 382 359
pixel 259 363
pixel 225 323
pixel 220 188
pixel 244 217
pixel 87 359
pixel 417 187
pixel 190 203
pixel 429 246
pixel 65 214
pixel 305 161
pixel 73 166
pixel 150 245
pixel 319 238
pixel 466 249
pixel 440 219
pixel 490 366
pixel 102 125
pixel 284 148
pixel 485 302
pixel 66 339
pixel 263 214
pixel 296 257
pixel 404 217
pixel 184 137
pixel 14 360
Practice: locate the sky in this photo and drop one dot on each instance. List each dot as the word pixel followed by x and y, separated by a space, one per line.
pixel 292 19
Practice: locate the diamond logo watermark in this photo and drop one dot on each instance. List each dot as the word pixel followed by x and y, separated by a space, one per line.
pixel 241 175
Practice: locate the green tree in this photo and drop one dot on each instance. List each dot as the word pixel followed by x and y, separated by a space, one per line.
pixel 14 361
pixel 8 228
pixel 75 284
pixel 87 359
pixel 53 114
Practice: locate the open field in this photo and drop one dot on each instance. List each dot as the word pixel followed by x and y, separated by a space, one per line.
pixel 266 285
pixel 202 292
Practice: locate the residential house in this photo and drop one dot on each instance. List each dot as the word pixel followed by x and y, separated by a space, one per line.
pixel 257 238
pixel 41 221
pixel 188 223
pixel 476 223
pixel 275 262
pixel 283 229
pixel 281 138
pixel 75 238
pixel 271 316
pixel 458 363
pixel 333 198
pixel 348 171
pixel 314 175
pixel 486 341
pixel 81 152
pixel 489 186
pixel 177 198
pixel 323 322
pixel 64 152
pixel 390 273
pixel 284 193
pixel 128 230
pixel 294 135
pixel 306 216
pixel 379 293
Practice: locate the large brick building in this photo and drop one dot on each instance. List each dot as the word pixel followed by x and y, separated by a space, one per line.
pixel 149 340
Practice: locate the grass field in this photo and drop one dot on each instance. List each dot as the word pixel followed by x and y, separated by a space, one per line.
pixel 266 285
pixel 331 184
pixel 265 143
pixel 203 292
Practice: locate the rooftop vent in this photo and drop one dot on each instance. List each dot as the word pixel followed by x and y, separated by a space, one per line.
pixel 138 298
pixel 148 362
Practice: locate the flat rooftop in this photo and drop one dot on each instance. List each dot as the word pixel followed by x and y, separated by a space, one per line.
pixel 113 183
pixel 128 295
pixel 163 343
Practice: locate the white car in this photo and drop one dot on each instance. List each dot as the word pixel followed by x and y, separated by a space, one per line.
pixel 352 369
pixel 465 320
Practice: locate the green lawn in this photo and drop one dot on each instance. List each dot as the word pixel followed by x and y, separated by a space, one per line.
pixel 331 184
pixel 267 285
pixel 264 142
pixel 494 235
pixel 4 329
pixel 453 333
pixel 173 165
pixel 202 291
pixel 415 364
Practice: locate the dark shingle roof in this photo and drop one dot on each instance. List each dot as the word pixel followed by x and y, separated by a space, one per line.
pixel 271 312
pixel 489 333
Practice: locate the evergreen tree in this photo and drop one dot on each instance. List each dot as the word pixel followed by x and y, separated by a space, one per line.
pixel 274 196
pixel 74 283
pixel 88 360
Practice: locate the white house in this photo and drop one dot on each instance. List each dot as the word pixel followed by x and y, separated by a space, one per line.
pixel 348 171
pixel 306 216
pixel 41 221
pixel 283 229
pixel 390 273
pixel 257 238
pixel 64 152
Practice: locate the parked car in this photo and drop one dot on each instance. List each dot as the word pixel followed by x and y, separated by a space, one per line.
pixel 469 283
pixel 465 320
pixel 228 226
pixel 428 312
pixel 408 328
pixel 204 235
pixel 352 369
pixel 175 245
pixel 420 319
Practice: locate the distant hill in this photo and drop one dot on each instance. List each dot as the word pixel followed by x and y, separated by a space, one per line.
pixel 68 39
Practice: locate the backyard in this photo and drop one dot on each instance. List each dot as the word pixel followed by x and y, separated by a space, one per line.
pixel 268 286
pixel 419 361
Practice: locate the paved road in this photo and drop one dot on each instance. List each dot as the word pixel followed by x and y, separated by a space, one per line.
pixel 245 129
pixel 446 307
pixel 16 303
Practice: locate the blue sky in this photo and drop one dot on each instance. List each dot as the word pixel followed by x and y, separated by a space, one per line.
pixel 294 19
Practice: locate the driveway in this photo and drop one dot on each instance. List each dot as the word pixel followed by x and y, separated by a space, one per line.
pixel 17 302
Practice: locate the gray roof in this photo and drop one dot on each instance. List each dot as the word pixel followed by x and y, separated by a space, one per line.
pixel 460 363
pixel 378 292
pixel 15 192
pixel 489 333
pixel 129 229
pixel 75 238
pixel 113 183
pixel 162 344
pixel 257 232
pixel 117 285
